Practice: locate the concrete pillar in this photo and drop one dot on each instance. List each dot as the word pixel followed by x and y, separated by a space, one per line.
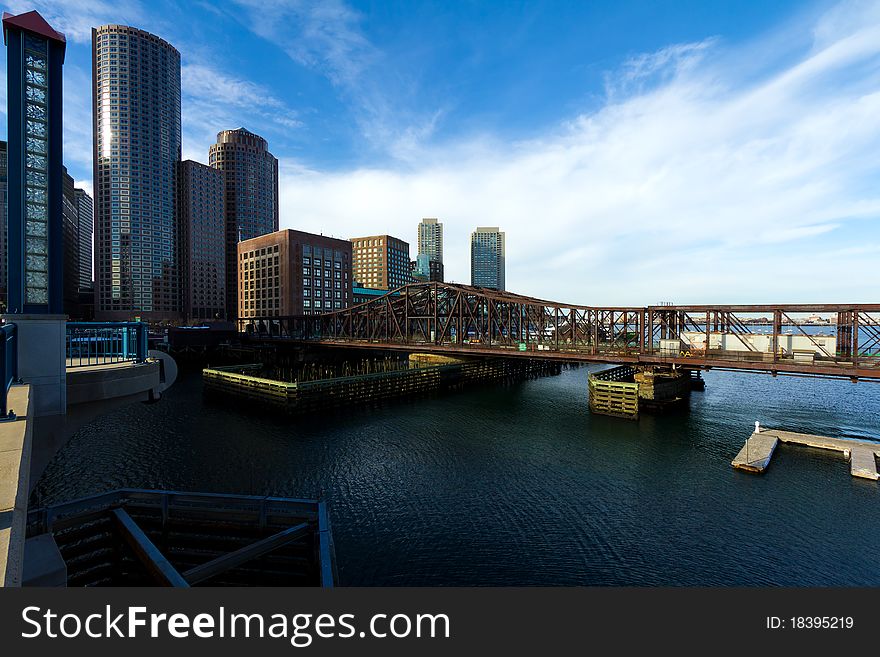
pixel 41 360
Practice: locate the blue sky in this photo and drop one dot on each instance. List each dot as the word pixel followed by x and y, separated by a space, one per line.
pixel 634 152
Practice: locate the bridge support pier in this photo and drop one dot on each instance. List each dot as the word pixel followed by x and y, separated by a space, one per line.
pixel 627 391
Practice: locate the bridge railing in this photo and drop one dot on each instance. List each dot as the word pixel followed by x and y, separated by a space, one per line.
pixel 8 366
pixel 103 343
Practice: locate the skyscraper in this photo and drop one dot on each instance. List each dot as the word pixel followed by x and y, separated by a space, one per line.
pixel 85 213
pixel 203 240
pixel 380 262
pixel 136 136
pixel 3 256
pixel 431 247
pixel 487 257
pixel 70 232
pixel 35 56
pixel 251 196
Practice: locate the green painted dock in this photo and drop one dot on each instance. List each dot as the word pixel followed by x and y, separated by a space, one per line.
pixel 756 453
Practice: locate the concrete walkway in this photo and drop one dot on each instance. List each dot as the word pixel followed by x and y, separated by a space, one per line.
pixel 15 452
pixel 756 453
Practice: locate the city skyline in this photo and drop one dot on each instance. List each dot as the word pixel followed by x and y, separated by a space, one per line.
pixel 739 123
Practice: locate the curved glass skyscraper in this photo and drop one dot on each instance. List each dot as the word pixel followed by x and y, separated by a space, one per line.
pixel 251 196
pixel 136 114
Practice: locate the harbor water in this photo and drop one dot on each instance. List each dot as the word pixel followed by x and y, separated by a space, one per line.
pixel 518 484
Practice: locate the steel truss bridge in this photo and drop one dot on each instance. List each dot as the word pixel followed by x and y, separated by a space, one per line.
pixel 458 319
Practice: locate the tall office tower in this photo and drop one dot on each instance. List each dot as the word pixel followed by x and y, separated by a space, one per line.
pixel 424 269
pixel 487 258
pixel 431 247
pixel 380 262
pixel 136 136
pixel 203 241
pixel 3 225
pixel 85 213
pixel 35 56
pixel 290 272
pixel 251 173
pixel 70 233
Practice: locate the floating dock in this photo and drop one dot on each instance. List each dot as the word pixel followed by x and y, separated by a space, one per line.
pixel 756 453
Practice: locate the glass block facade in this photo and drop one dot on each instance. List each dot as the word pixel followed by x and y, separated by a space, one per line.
pixel 35 57
pixel 136 105
pixel 487 258
pixel 251 196
pixel 36 132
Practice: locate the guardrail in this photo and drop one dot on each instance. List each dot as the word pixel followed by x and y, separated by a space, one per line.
pixel 8 366
pixel 103 343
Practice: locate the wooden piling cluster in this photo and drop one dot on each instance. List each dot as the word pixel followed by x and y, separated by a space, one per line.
pixel 426 373
pixel 663 386
pixel 624 391
pixel 615 392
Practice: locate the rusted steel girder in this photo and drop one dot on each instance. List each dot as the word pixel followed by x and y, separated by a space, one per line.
pixel 453 316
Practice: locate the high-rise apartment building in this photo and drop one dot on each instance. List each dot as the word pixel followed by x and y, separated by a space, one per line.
pixel 251 191
pixel 136 137
pixel 3 257
pixel 35 57
pixel 380 262
pixel 290 272
pixel 431 239
pixel 431 247
pixel 201 217
pixel 77 244
pixel 70 233
pixel 85 228
pixel 487 258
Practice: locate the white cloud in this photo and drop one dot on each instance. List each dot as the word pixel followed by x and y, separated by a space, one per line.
pixel 75 18
pixel 320 34
pixel 698 181
pixel 214 100
pixel 326 36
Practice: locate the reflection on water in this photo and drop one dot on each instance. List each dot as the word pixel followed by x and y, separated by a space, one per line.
pixel 504 485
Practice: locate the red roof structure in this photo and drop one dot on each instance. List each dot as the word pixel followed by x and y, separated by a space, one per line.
pixel 32 22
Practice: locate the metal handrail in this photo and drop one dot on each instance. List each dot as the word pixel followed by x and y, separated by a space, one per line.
pixel 102 343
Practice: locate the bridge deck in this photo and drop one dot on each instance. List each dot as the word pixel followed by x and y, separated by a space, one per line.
pixel 867 369
pixel 756 454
